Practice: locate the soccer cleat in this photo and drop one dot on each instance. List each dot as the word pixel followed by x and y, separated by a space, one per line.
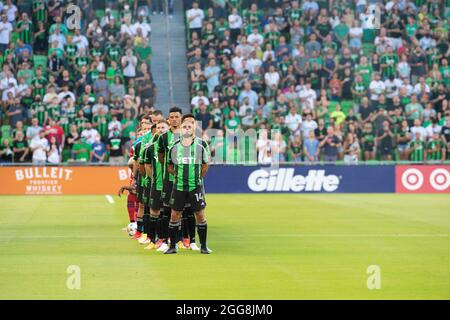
pixel 145 241
pixel 186 242
pixel 150 246
pixel 137 235
pixel 163 248
pixel 181 245
pixel 159 243
pixel 205 250
pixel 193 246
pixel 171 251
pixel 142 237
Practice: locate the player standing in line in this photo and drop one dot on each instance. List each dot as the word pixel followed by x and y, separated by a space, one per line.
pixel 145 127
pixel 165 141
pixel 132 202
pixel 188 162
pixel 147 139
pixel 154 170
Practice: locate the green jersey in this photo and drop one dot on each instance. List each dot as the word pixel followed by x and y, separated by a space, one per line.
pixel 417 154
pixel 165 142
pixel 434 149
pixel 102 123
pixel 38 111
pixel 71 51
pixel 39 10
pixel 113 52
pixel 145 142
pixel 26 32
pixel 187 162
pixel 390 60
pixel 84 149
pixel 151 158
pixel 39 84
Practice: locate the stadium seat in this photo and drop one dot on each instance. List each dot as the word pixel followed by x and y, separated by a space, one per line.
pixel 99 13
pixel 346 105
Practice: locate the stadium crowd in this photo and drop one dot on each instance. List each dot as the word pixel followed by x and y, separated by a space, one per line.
pixel 73 82
pixel 340 80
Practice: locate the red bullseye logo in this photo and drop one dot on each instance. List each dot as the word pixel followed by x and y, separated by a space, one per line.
pixel 423 179
pixel 412 179
pixel 440 179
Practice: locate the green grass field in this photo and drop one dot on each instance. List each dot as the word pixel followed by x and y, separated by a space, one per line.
pixel 265 247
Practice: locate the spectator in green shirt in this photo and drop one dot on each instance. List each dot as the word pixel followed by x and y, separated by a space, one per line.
pixel 82 150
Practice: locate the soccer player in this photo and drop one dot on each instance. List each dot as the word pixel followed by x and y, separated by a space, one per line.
pixel 188 162
pixel 165 141
pixel 140 180
pixel 154 170
pixel 132 202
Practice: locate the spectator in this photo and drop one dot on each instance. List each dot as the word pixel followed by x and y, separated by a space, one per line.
pixel 330 145
pixel 39 146
pixel 6 153
pixel 82 150
pixel 54 151
pixel 20 148
pixel 98 151
pixel 311 148
pixel 115 147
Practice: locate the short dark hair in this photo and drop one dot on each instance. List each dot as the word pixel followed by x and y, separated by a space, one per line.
pixel 187 116
pixel 175 109
pixel 157 113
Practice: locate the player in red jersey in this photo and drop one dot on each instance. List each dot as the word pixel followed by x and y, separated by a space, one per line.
pixel 132 201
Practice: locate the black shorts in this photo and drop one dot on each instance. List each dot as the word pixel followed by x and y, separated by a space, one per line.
pixel 139 191
pixel 196 198
pixel 146 195
pixel 155 201
pixel 166 192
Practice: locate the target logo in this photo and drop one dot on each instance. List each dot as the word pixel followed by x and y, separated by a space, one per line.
pixel 422 179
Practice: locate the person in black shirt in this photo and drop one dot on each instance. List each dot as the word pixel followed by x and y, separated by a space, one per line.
pixel 20 148
pixel 385 142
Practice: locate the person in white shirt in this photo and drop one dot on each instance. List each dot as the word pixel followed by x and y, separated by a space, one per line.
pixel 143 25
pixel 255 38
pixel 293 121
pixel 421 87
pixel 307 96
pixel 80 41
pixel 195 18
pixel 39 147
pixel 126 29
pixel 254 63
pixel 235 21
pixel 114 125
pixel 89 133
pixel 11 11
pixel 272 79
pixel 308 125
pixel 57 37
pixel 5 33
pixel 392 86
pixel 263 148
pixel 376 87
pixel 246 106
pixel 403 67
pixel 195 101
pixel 129 63
pixel 418 129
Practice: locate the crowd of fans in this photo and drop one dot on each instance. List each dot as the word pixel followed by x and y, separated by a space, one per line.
pixel 73 82
pixel 339 80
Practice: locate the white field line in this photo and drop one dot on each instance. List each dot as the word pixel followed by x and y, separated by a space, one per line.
pixel 109 198
pixel 394 235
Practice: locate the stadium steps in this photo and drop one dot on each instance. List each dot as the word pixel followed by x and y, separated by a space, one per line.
pixel 169 60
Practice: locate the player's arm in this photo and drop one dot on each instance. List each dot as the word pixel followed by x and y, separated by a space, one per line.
pixel 170 164
pixel 205 168
pixel 206 155
pixel 161 148
pixel 130 189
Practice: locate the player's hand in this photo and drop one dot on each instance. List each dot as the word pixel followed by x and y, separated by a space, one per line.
pixel 121 191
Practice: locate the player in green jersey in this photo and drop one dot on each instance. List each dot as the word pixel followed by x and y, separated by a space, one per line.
pixel 153 168
pixel 188 162
pixel 436 148
pixel 145 126
pixel 165 141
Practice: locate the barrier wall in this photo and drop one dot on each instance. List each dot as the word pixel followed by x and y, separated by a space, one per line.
pixel 62 180
pixel 238 179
